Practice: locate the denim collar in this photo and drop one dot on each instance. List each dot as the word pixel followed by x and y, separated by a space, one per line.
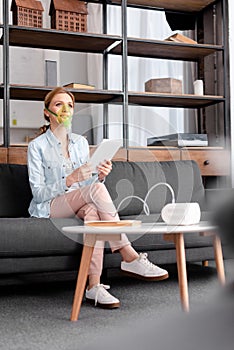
pixel 52 139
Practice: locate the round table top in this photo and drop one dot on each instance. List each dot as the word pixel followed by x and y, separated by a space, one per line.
pixel 149 228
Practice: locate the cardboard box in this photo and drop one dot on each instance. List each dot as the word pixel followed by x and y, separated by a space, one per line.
pixel 164 85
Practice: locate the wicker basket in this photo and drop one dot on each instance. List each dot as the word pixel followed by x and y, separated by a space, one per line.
pixel 27 13
pixel 68 15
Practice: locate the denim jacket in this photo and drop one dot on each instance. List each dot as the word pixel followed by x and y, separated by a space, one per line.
pixel 46 167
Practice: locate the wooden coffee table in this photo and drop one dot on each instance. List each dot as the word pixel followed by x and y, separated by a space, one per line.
pixel 170 233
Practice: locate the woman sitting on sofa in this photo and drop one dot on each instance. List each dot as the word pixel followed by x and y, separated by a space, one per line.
pixel 62 185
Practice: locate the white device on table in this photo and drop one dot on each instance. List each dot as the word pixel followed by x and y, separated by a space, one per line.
pixel 181 213
pixel 172 213
pixel 105 151
pixel 177 213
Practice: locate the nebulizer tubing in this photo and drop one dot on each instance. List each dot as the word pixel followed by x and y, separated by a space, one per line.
pixel 145 205
pixel 153 187
pixel 144 201
pixel 146 208
pixel 55 114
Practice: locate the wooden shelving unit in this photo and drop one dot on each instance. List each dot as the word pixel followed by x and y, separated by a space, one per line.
pixel 211 54
pixel 178 5
pixel 57 40
pixel 170 100
pixel 37 93
pixel 163 49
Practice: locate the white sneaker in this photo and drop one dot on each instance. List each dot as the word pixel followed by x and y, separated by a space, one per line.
pixel 99 296
pixel 142 268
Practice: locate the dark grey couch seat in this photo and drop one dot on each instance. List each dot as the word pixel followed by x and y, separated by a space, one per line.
pixel 35 245
pixel 36 237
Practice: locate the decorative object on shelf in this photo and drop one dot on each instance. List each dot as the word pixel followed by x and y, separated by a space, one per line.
pixel 198 87
pixel 27 13
pixel 79 86
pixel 179 140
pixel 164 85
pixel 68 15
pixel 180 38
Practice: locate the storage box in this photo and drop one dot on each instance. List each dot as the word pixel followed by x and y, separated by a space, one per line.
pixel 164 85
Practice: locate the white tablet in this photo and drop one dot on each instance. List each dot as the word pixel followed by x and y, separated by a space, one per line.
pixel 105 151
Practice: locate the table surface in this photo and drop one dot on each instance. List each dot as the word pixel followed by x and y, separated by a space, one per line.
pixel 150 228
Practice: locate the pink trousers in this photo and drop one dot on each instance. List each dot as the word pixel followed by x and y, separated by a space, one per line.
pixel 89 203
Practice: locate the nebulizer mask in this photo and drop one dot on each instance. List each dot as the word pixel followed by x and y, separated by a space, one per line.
pixel 64 115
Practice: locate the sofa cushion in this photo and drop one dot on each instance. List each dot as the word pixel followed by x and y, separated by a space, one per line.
pixel 137 178
pixel 38 237
pixel 15 192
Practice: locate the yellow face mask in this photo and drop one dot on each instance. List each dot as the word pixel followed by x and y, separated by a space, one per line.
pixel 64 115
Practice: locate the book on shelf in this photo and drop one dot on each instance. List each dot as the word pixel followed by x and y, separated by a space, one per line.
pixel 79 86
pixel 180 38
pixel 179 140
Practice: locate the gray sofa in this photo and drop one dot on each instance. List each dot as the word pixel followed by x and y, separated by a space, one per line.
pixel 38 245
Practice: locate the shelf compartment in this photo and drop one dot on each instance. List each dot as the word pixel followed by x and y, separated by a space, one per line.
pixel 178 5
pixel 37 93
pixel 176 101
pixel 58 40
pixel 164 49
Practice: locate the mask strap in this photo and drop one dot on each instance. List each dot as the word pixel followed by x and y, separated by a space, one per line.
pixel 51 112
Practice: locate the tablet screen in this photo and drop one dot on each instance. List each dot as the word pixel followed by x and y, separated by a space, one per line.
pixel 105 151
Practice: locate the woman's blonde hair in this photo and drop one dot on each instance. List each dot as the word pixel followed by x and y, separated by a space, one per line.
pixel 48 99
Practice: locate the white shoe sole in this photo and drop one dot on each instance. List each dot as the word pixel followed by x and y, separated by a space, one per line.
pixel 145 278
pixel 104 306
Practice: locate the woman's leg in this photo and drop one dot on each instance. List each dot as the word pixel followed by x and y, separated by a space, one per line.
pixel 75 203
pixel 64 207
pixel 89 212
pixel 69 204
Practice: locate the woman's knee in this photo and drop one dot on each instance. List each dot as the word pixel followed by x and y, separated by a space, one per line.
pixel 100 187
pixel 88 210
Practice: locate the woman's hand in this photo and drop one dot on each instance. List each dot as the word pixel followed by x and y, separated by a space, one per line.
pixel 82 173
pixel 104 169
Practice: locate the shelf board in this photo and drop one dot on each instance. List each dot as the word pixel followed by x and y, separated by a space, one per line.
pixel 178 5
pixel 37 93
pixel 59 40
pixel 167 49
pixel 170 100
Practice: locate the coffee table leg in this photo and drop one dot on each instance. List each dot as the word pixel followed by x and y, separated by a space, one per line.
pixel 182 271
pixel 219 259
pixel 82 275
pixel 178 239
